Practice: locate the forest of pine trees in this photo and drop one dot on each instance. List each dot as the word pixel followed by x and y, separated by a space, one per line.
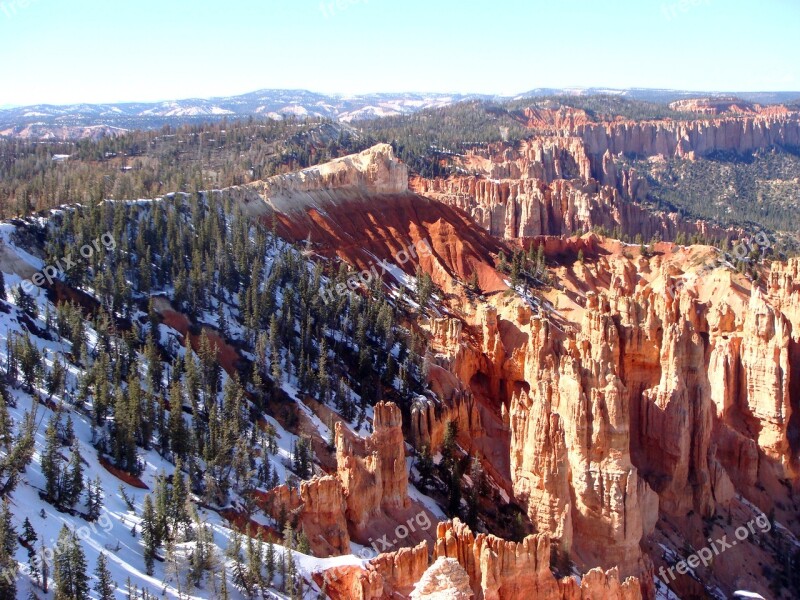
pixel 143 390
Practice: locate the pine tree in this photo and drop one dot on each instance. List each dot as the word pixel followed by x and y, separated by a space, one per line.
pixel 29 533
pixel 50 461
pixel 449 443
pixel 25 302
pixel 234 553
pixel 105 585
pixel 179 496
pixel 71 580
pixel 74 477
pixel 424 465
pixel 149 534
pixel 16 451
pixel 270 563
pixel 30 536
pixel 223 592
pixel 94 504
pixel 303 545
pixel 290 577
pixel 155 370
pixel 177 427
pixel 161 509
pixel 254 560
pixel 8 546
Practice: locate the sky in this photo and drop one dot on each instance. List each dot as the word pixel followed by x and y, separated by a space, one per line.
pixel 71 51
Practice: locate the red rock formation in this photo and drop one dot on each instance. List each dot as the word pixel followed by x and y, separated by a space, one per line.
pixel 678 138
pixel 637 386
pixel 514 208
pixel 320 507
pixel 373 473
pixel 564 181
pixel 503 570
pixel 359 208
pixel 390 575
pixel 716 106
pixel 496 570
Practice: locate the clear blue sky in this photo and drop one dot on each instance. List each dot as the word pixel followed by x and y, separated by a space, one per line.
pixel 64 51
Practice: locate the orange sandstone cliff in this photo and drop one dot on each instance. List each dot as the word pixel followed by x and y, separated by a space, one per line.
pixel 634 407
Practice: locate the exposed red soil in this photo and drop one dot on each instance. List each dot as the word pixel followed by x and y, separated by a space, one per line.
pixel 227 356
pixel 357 229
pixel 131 480
pixel 240 522
pixel 58 292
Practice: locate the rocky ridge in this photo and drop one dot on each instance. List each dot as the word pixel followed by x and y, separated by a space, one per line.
pixel 643 391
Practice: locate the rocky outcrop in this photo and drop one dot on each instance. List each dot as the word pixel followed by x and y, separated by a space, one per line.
pixel 641 385
pixel 783 290
pixel 488 568
pixel 717 106
pixel 319 506
pixel 503 570
pixel 445 579
pixel 570 446
pixel 678 138
pixel 374 171
pixel 390 575
pixel 665 390
pixel 373 471
pixel 517 208
pixel 564 180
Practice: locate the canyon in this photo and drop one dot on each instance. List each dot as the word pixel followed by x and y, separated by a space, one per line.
pixel 645 400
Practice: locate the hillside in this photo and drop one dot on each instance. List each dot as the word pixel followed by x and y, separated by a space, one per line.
pixel 351 380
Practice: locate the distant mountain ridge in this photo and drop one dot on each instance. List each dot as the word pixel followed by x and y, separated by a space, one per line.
pixel 43 121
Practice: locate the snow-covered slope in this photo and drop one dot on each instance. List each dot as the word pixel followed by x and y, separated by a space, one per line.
pixel 118 530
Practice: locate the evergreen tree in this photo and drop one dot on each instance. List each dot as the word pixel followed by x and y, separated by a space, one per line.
pixel 449 443
pixel 149 534
pixel 30 536
pixel 254 558
pixel 51 468
pixel 303 545
pixel 16 451
pixel 234 553
pixel 179 496
pixel 424 464
pixel 177 427
pixel 8 546
pixel 94 504
pixel 105 585
pixel 25 302
pixel 73 485
pixel 270 563
pixel 71 580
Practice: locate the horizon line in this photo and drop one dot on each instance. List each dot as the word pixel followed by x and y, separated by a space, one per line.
pixel 599 90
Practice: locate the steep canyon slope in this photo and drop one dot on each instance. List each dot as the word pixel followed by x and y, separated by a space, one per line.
pixel 644 400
